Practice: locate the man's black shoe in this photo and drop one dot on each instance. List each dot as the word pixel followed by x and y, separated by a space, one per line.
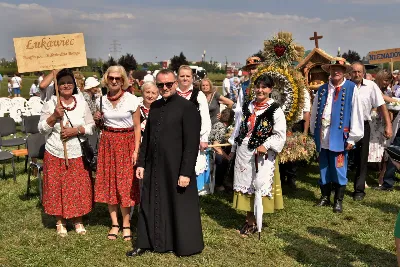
pixel 324 201
pixel 383 188
pixel 136 252
pixel 358 198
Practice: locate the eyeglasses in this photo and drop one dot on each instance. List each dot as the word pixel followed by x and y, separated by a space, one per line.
pixel 168 85
pixel 65 84
pixel 111 79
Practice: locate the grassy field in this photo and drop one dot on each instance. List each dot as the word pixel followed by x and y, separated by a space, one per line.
pixel 299 235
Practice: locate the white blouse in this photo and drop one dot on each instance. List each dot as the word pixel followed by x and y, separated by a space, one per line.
pixel 121 115
pixel 278 138
pixel 204 114
pixel 80 116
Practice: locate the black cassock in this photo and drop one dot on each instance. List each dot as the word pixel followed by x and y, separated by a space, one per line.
pixel 169 218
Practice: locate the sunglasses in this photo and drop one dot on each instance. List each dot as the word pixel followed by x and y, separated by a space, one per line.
pixel 65 83
pixel 168 85
pixel 111 79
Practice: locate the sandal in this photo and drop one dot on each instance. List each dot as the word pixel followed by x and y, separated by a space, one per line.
pixel 113 235
pixel 125 237
pixel 80 229
pixel 251 229
pixel 243 229
pixel 61 230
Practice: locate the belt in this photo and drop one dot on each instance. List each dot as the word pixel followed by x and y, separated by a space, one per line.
pixel 118 130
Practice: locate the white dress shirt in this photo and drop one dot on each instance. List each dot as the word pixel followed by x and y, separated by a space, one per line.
pixel 356 120
pixel 204 114
pixel 371 97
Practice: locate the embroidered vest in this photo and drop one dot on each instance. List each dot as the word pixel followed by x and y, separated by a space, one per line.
pixel 340 116
pixel 262 127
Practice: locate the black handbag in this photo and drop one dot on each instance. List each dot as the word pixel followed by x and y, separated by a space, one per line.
pixel 89 155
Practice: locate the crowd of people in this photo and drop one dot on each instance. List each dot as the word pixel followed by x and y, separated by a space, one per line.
pixel 159 150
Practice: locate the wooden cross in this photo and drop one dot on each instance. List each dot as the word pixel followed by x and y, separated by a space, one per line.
pixel 315 38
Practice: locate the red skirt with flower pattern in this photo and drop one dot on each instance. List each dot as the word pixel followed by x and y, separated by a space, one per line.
pixel 66 192
pixel 115 178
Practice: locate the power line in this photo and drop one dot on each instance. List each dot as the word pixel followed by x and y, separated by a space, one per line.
pixel 115 49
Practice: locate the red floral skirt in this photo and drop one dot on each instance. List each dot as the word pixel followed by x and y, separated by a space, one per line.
pixel 115 178
pixel 66 192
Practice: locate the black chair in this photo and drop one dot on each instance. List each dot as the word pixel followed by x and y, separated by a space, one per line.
pixel 7 127
pixel 35 144
pixel 31 124
pixel 5 156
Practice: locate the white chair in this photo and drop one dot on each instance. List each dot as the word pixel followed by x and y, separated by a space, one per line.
pixel 16 113
pixel 34 107
pixel 19 102
pixel 5 104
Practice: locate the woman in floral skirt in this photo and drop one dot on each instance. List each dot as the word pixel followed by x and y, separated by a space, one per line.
pixel 67 191
pixel 119 144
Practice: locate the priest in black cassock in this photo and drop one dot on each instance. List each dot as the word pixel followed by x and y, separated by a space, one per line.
pixel 169 217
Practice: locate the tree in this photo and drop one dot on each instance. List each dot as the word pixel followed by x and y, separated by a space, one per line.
pixel 110 62
pixel 128 62
pixel 259 54
pixel 351 56
pixel 177 61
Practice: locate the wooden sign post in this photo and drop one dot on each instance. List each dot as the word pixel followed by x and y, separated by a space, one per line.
pixel 50 53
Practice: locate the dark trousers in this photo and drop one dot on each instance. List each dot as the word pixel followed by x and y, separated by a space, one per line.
pixel 221 167
pixel 388 178
pixel 361 161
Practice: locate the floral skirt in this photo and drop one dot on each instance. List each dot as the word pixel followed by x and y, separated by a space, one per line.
pixel 66 192
pixel 115 178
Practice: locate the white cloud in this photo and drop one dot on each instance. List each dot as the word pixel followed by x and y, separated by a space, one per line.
pixel 106 16
pixel 269 16
pixel 343 21
pixel 23 6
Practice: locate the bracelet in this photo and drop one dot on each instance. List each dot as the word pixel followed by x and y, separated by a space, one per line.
pixel 79 132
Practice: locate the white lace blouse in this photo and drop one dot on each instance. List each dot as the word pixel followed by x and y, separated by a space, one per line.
pixel 121 115
pixel 80 116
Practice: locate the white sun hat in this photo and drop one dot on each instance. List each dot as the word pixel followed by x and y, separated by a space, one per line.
pixel 91 82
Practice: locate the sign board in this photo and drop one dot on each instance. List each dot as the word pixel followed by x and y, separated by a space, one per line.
pixel 50 52
pixel 383 56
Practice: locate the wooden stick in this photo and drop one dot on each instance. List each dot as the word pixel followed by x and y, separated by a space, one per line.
pixel 61 121
pixel 219 145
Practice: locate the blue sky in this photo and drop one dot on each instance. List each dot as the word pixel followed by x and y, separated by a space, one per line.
pixel 231 28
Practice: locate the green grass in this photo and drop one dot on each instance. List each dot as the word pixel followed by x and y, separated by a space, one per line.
pixel 299 235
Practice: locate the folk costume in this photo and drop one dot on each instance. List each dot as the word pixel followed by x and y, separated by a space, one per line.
pixel 254 181
pixel 336 119
pixel 67 192
pixel 169 217
pixel 115 179
pixel 197 97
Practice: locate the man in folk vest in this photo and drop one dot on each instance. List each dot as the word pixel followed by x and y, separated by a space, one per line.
pixel 337 123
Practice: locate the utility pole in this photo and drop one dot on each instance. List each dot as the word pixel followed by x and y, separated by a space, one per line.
pixel 115 49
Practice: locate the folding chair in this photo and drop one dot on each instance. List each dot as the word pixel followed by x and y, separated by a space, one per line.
pixel 30 124
pixel 4 156
pixel 8 128
pixel 35 144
